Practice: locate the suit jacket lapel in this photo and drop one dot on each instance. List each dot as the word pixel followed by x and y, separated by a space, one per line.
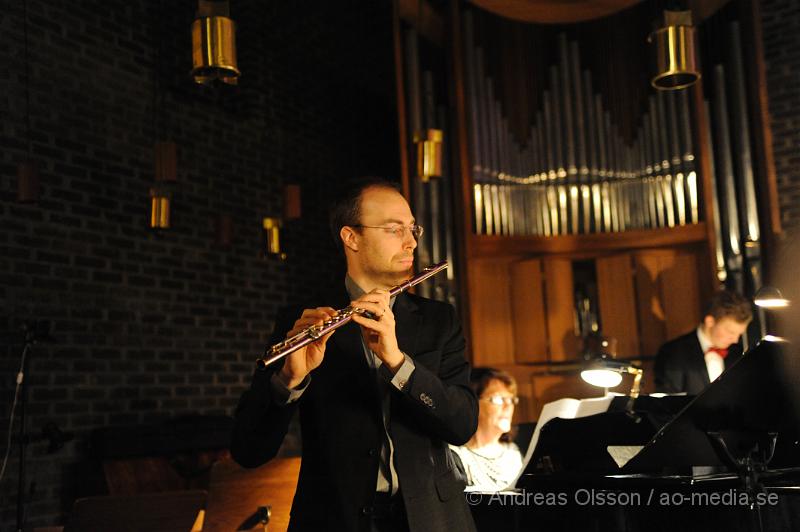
pixel 347 339
pixel 407 323
pixel 699 361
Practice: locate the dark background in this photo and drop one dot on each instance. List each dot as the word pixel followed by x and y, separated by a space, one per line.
pixel 153 326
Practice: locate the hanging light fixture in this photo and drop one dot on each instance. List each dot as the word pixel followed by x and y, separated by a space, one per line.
pixel 429 153
pixel 214 44
pixel 674 48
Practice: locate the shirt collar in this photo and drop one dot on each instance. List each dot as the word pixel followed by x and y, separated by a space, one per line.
pixel 355 291
pixel 705 342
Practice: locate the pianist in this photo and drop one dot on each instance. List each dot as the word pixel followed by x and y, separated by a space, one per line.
pixel 691 362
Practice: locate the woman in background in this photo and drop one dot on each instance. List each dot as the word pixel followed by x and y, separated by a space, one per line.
pixel 491 461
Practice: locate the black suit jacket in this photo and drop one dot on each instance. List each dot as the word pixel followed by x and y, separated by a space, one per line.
pixel 681 366
pixel 342 425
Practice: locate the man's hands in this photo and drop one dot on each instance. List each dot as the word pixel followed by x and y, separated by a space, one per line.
pixel 379 333
pixel 300 363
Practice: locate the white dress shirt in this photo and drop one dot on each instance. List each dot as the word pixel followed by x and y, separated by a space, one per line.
pixel 715 364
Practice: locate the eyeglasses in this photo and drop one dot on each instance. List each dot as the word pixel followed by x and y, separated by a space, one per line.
pixel 397 230
pixel 499 400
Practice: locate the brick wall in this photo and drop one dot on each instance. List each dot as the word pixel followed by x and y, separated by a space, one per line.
pixel 781 22
pixel 150 326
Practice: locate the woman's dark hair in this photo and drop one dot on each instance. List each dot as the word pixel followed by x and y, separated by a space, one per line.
pixel 345 206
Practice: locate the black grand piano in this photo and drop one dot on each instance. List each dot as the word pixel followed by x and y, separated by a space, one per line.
pixel 727 459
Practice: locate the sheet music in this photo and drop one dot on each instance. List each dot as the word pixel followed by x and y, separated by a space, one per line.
pixel 566 408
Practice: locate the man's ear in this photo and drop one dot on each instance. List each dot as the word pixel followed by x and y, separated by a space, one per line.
pixel 349 237
pixel 709 321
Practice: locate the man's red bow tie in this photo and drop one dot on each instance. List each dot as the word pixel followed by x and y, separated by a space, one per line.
pixel 718 350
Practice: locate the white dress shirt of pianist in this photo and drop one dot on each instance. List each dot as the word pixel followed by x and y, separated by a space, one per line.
pixel 715 364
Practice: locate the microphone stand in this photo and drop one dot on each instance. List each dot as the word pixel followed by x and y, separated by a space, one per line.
pixel 30 339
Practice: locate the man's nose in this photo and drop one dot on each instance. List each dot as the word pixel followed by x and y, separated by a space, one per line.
pixel 408 239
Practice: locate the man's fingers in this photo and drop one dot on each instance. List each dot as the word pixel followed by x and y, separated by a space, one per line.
pixel 376 309
pixel 372 324
pixel 315 316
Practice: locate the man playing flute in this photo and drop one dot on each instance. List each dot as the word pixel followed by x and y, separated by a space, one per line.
pixel 380 398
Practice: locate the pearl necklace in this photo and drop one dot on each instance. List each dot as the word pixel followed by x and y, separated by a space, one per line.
pixel 486 465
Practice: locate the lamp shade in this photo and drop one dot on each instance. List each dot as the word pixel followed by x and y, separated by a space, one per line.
pixel 602 378
pixel 429 153
pixel 214 46
pixel 770 297
pixel 674 49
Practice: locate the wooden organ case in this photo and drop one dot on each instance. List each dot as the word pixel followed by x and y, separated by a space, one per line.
pixel 574 197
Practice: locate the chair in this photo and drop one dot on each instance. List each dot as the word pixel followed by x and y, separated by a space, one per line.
pixel 155 512
pixel 236 494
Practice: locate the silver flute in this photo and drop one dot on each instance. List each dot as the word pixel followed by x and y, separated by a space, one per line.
pixel 315 332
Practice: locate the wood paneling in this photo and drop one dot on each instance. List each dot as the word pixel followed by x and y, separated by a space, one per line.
pixel 615 287
pixel 490 312
pixel 424 18
pixel 496 245
pixel 462 169
pixel 668 295
pixel 400 81
pixel 528 311
pixel 650 310
pixel 554 11
pixel 680 294
pixel 764 158
pixel 559 295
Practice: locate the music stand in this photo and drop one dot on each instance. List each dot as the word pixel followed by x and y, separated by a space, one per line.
pixel 580 445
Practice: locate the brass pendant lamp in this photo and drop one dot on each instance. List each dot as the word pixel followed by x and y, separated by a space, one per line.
pixel 674 48
pixel 214 44
pixel 429 153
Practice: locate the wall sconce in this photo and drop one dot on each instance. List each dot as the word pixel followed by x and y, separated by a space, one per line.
pixel 166 161
pixel 160 203
pixel 214 44
pixel 223 227
pixel 272 237
pixel 429 153
pixel 674 48
pixel 28 183
pixel 291 202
